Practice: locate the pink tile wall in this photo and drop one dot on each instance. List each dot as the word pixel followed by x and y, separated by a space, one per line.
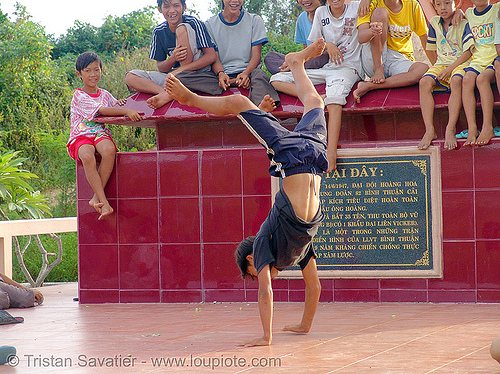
pixel 181 212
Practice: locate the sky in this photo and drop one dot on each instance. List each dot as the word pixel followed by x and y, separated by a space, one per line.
pixel 59 15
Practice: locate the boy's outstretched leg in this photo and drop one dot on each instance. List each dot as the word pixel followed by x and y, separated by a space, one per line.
pixel 225 105
pixel 306 92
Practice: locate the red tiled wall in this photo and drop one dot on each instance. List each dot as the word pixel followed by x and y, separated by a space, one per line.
pixel 181 212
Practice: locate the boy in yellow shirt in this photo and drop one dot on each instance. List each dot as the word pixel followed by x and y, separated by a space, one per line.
pixel 452 47
pixel 387 53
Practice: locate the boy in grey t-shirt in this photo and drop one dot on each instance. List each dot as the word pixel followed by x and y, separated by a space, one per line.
pixel 239 37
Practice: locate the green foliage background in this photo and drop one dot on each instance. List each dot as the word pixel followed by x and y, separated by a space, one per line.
pixel 37 81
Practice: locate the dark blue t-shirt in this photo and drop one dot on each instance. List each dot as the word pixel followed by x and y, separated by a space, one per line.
pixel 164 40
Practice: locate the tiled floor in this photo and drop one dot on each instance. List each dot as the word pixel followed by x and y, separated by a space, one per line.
pixel 64 336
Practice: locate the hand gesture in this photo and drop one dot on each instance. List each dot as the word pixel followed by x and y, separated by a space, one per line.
pixel 364 8
pixel 243 80
pixel 376 28
pixel 334 53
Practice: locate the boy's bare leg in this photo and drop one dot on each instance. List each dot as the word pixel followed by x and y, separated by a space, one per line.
pixel 469 104
pixel 334 124
pixel 377 44
pixel 285 87
pixel 225 105
pixel 427 108
pixel 454 105
pixel 417 70
pixel 267 104
pixel 145 85
pixel 313 292
pixel 86 154
pixel 484 81
pixel 107 150
pixel 306 92
pixel 183 41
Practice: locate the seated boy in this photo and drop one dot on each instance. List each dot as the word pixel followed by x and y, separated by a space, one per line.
pixel 387 51
pixel 14 295
pixel 480 72
pixel 239 37
pixel 180 45
pixel 299 156
pixel 336 23
pixel 452 45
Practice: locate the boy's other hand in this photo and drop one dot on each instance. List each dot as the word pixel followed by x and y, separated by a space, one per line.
pixel 134 115
pixel 334 53
pixel 243 80
pixel 445 74
pixel 121 102
pixel 458 16
pixel 255 343
pixel 284 67
pixel 297 328
pixel 180 53
pixel 364 8
pixel 224 81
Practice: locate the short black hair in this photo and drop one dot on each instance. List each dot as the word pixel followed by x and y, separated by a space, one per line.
pixel 85 59
pixel 160 2
pixel 244 249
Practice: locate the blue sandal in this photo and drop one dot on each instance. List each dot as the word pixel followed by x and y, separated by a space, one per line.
pixel 7 353
pixel 496 130
pixel 462 135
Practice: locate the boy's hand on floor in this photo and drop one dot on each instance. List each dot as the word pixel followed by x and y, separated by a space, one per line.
pixel 255 343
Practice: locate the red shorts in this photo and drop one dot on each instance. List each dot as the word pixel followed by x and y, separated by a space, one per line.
pixel 79 141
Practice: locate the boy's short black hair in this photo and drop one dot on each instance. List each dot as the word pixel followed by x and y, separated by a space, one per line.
pixel 85 59
pixel 244 249
pixel 160 2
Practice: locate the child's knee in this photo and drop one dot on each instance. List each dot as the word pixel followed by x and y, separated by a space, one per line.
pixel 426 83
pixel 181 31
pixel 87 158
pixel 380 15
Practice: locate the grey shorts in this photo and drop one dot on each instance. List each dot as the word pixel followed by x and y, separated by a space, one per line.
pixel 394 62
pixel 15 297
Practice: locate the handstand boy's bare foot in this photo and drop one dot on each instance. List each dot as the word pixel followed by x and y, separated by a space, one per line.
pixel 471 137
pixel 315 49
pixel 378 76
pixel 267 104
pixel 450 140
pixel 484 138
pixel 429 136
pixel 361 90
pixel 157 101
pixel 178 91
pixel 106 210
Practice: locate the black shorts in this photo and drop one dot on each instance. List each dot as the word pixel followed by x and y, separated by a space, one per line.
pixel 302 150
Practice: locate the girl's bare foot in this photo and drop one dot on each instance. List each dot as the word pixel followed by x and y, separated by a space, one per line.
pixel 177 90
pixel 157 101
pixel 450 140
pixel 429 136
pixel 378 76
pixel 471 137
pixel 315 49
pixel 94 202
pixel 106 210
pixel 361 90
pixel 484 138
pixel 267 104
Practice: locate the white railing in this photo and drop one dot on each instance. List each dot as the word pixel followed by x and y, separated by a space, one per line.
pixel 8 229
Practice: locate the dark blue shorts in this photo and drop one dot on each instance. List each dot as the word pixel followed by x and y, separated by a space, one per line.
pixel 302 150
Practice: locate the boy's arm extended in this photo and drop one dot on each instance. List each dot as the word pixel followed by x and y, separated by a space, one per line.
pixel 132 114
pixel 265 308
pixel 208 58
pixel 313 291
pixel 243 78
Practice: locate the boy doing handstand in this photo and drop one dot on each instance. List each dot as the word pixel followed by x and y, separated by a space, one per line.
pixel 452 46
pixel 88 137
pixel 299 157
